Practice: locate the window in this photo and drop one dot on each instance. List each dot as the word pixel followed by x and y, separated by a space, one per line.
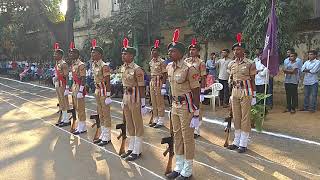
pixel 115 5
pixel 96 5
pixel 77 12
pixel 96 12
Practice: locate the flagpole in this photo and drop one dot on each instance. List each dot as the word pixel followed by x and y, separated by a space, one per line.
pixel 265 88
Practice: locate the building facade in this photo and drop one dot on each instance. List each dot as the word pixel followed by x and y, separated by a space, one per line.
pixel 88 12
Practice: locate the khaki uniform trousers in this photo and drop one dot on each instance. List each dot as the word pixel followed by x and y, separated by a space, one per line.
pixel 134 122
pixel 241 108
pixel 78 103
pixel 157 101
pixel 63 100
pixel 184 143
pixel 103 110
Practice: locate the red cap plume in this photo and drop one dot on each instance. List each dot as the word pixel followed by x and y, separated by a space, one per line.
pixel 239 37
pixel 94 43
pixel 156 43
pixel 194 41
pixel 125 42
pixel 176 35
pixel 56 46
pixel 72 46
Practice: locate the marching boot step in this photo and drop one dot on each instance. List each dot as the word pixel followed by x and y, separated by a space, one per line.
pixel 103 143
pixel 173 175
pixel 152 124
pixel 78 132
pixel 126 154
pixel 195 136
pixel 133 157
pixel 242 149
pixel 158 126
pixel 63 124
pixel 96 141
pixel 232 147
pixel 183 178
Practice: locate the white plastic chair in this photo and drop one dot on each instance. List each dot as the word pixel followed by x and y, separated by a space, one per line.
pixel 215 88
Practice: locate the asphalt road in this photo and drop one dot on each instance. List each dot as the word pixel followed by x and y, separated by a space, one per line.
pixel 33 148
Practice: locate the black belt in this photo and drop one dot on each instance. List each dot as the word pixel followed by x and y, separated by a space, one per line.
pixel 179 99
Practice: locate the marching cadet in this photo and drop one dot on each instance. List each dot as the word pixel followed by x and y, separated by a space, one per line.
pixel 199 64
pixel 242 73
pixel 101 76
pixel 184 80
pixel 78 70
pixel 134 103
pixel 60 80
pixel 157 86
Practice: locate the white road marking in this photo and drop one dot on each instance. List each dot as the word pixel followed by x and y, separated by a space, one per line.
pixel 85 140
pixel 209 144
pixel 201 163
pixel 212 121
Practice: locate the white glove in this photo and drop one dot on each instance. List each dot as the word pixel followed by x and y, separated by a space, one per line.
pixel 108 101
pixel 163 90
pixel 54 79
pixel 143 106
pixel 144 110
pixel 253 101
pixel 56 84
pixel 80 95
pixel 202 95
pixel 122 105
pixel 80 92
pixel 66 91
pixel 195 122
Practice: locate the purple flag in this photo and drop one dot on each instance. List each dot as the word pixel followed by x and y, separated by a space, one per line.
pixel 271 42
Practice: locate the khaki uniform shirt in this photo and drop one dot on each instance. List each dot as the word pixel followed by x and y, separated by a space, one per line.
pixel 62 68
pixel 132 75
pixel 100 71
pixel 182 77
pixel 242 70
pixel 78 70
pixel 157 67
pixel 198 64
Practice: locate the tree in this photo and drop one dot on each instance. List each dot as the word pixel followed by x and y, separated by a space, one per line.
pixel 214 20
pixel 291 13
pixel 139 20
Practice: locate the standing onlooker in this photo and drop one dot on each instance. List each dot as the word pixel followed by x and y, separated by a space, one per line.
pixel 261 70
pixel 222 64
pixel 210 65
pixel 310 69
pixel 299 61
pixel 291 81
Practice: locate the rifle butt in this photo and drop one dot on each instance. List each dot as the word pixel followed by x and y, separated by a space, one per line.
pixel 169 165
pixel 226 143
pixel 122 147
pixel 97 134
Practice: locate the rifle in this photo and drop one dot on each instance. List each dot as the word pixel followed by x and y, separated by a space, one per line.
pixel 170 150
pixel 123 134
pixel 151 118
pixel 227 129
pixel 74 119
pixel 60 116
pixel 96 123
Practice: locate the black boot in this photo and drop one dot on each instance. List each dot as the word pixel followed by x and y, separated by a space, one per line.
pixel 242 149
pixel 152 124
pixel 232 147
pixel 102 143
pixel 63 124
pixel 126 154
pixel 133 157
pixel 183 178
pixel 173 175
pixel 96 141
